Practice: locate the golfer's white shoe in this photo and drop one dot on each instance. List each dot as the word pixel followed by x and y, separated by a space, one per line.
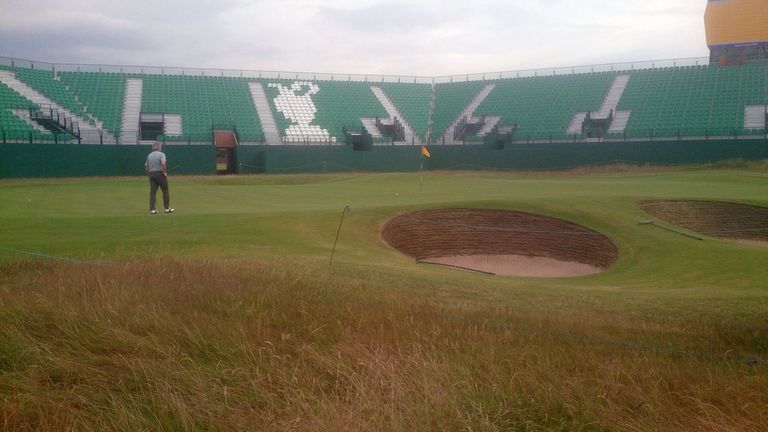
pixel 153 212
pixel 170 210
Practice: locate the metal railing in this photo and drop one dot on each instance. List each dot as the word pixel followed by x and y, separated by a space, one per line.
pixel 26 136
pixel 52 115
pixel 372 78
pixel 572 70
pixel 210 72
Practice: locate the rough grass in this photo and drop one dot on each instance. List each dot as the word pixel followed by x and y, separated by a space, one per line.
pixel 172 344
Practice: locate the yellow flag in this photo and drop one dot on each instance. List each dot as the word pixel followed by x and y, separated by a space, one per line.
pixel 425 152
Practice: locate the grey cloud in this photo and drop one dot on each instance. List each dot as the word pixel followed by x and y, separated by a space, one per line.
pixel 425 37
pixel 391 17
pixel 65 45
pixel 382 17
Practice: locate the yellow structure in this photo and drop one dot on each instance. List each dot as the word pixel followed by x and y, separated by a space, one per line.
pixel 730 22
pixel 737 30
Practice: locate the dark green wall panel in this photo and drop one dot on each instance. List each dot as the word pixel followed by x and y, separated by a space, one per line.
pixel 294 159
pixel 71 160
pixel 49 160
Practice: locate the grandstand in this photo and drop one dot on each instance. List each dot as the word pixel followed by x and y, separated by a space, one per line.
pixel 244 112
pixel 616 102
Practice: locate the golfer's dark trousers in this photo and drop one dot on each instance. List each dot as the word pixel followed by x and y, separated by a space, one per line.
pixel 157 179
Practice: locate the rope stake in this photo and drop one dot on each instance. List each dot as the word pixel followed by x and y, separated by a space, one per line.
pixel 346 210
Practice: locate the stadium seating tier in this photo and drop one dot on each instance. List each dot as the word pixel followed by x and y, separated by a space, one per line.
pixel 664 102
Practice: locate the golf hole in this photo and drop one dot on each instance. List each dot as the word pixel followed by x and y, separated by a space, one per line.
pixel 502 242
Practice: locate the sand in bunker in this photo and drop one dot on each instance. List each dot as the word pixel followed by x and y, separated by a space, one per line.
pixel 518 265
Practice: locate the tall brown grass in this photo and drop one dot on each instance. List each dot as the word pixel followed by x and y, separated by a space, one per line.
pixel 201 345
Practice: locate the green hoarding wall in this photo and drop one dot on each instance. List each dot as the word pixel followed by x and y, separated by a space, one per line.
pixel 69 160
pixel 73 160
pixel 294 159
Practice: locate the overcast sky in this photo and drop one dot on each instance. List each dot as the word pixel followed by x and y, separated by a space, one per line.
pixel 397 37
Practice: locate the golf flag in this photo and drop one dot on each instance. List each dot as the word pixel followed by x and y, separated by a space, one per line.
pixel 425 152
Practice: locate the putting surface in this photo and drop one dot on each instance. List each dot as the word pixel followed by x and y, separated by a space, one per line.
pixel 227 316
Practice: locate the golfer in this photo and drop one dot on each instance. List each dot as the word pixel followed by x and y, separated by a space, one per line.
pixel 157 171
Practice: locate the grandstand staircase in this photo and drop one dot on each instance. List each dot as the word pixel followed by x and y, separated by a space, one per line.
pixel 468 114
pixel 574 128
pixel 755 116
pixel 430 120
pixel 490 123
pixel 370 126
pixel 89 133
pixel 129 131
pixel 394 113
pixel 172 124
pixel 261 102
pixel 618 119
pixel 23 114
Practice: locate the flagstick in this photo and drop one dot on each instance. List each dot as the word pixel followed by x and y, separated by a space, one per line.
pixel 421 173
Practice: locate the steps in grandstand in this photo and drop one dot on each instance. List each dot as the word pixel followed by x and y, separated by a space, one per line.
pixel 574 128
pixel 468 112
pixel 430 119
pixel 410 137
pixel 89 133
pixel 619 122
pixel 263 109
pixel 490 123
pixel 613 97
pixel 172 124
pixel 610 103
pixel 755 116
pixel 370 126
pixel 23 114
pixel 129 133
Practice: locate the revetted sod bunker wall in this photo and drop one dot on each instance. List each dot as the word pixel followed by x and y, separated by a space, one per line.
pixel 430 234
pixel 714 218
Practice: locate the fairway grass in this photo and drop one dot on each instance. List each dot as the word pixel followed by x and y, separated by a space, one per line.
pixel 226 315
